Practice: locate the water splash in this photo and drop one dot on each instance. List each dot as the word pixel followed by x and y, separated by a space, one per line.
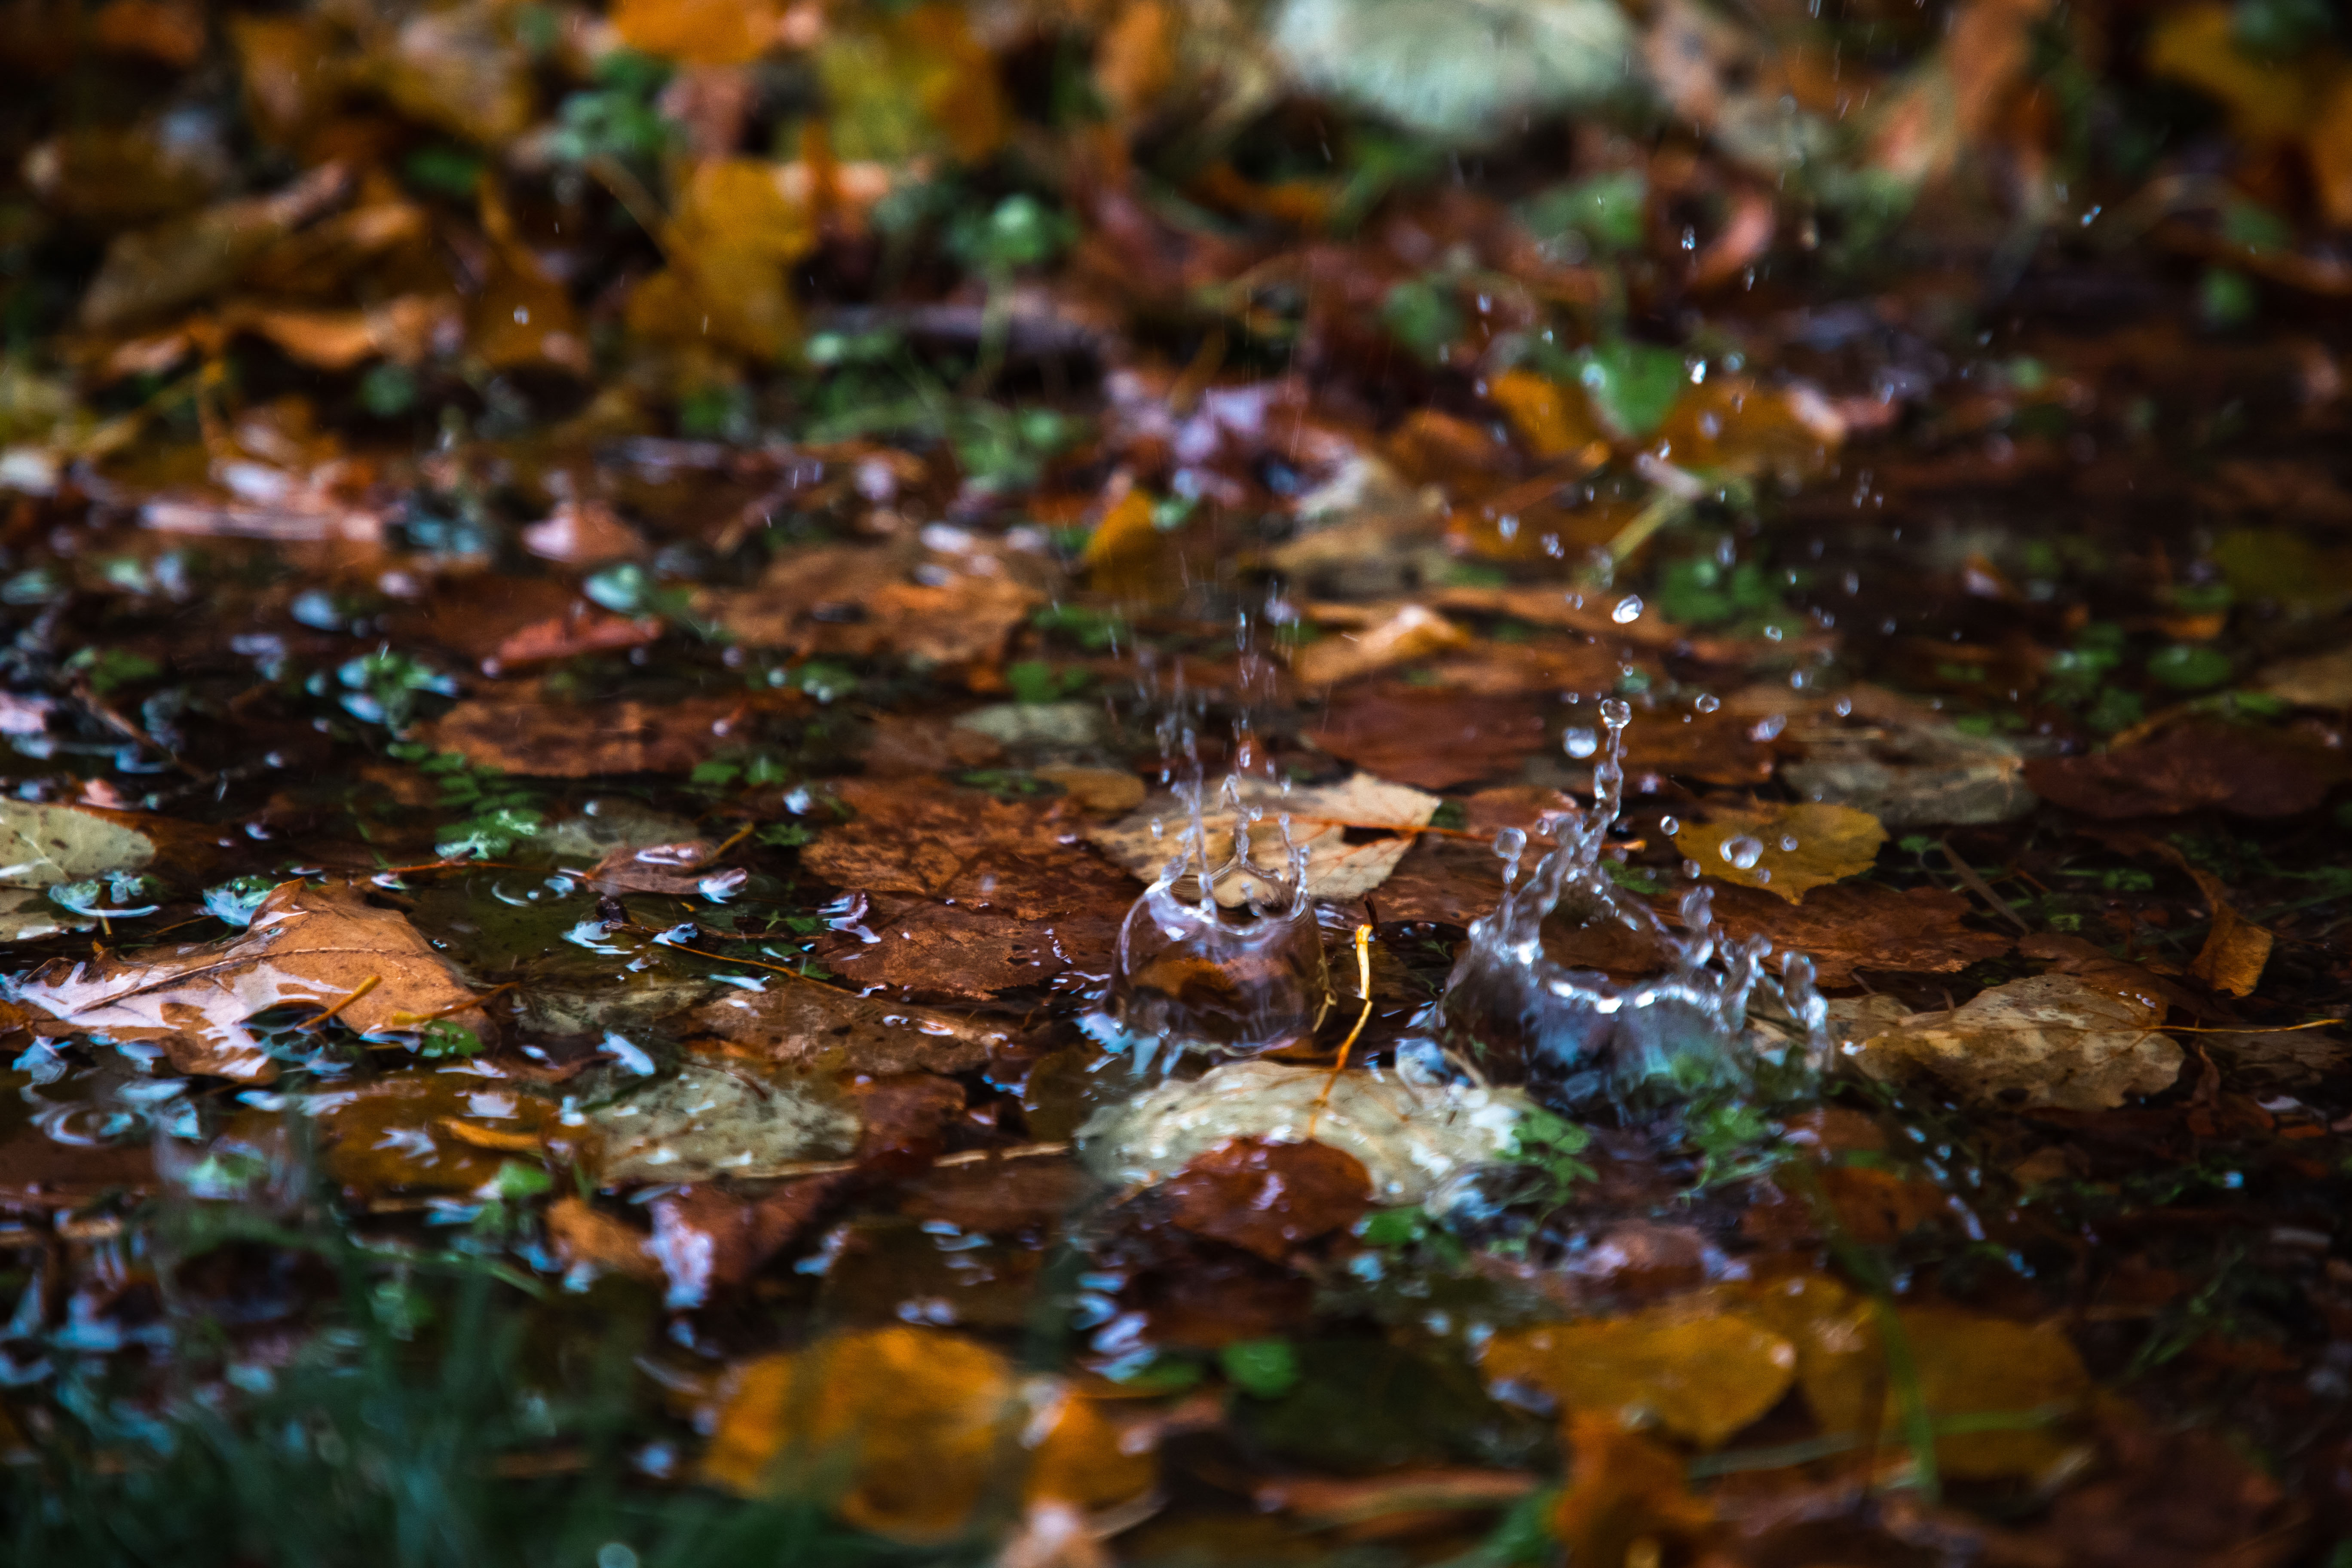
pixel 1584 1039
pixel 1225 958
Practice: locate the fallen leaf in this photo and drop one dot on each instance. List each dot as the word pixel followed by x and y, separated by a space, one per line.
pixel 792 1022
pixel 1320 818
pixel 708 1238
pixel 735 230
pixel 450 1130
pixel 857 601
pixel 1433 737
pixel 1412 633
pixel 43 845
pixel 2236 950
pixel 163 30
pixel 307 945
pixel 151 271
pixel 581 629
pixel 582 533
pixel 457 68
pixel 717 1118
pixel 1553 421
pixel 912 83
pixel 1912 775
pixel 697 32
pixel 2242 770
pixel 2049 1040
pixel 1626 1496
pixel 1268 1198
pixel 942 951
pixel 1968 1365
pixel 918 836
pixel 405 330
pixel 2320 680
pixel 524 733
pixel 1103 791
pixel 1850 926
pixel 1697 1371
pixel 585 1237
pixel 917 1425
pixel 1787 850
pixel 1411 1142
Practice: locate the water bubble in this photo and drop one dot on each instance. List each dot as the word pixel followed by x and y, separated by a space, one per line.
pixel 1707 702
pixel 1670 825
pixel 1628 608
pixel 1581 743
pixel 1742 850
pixel 1788 844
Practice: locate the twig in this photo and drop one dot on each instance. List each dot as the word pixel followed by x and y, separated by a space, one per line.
pixel 361 989
pixel 1983 889
pixel 1364 990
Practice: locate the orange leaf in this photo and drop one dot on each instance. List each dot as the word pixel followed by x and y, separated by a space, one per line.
pixel 1624 1491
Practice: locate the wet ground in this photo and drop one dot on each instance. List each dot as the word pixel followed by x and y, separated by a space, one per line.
pixel 1483 868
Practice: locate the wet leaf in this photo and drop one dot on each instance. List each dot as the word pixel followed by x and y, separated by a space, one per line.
pixel 1412 633
pixel 1553 420
pixel 1626 1495
pixel 2049 1040
pixel 1851 926
pixel 923 837
pixel 47 845
pixel 916 1429
pixel 735 230
pixel 151 271
pixel 2245 771
pixel 717 1118
pixel 1320 818
pixel 1700 1372
pixel 1786 850
pixel 307 944
pixel 857 602
pixel 1910 774
pixel 787 1021
pixel 1412 1143
pixel 1269 1198
pixel 520 733
pixel 457 68
pixel 709 1238
pixel 1458 73
pixel 451 1129
pixel 912 83
pixel 1434 738
pixel 2319 680
pixel 697 32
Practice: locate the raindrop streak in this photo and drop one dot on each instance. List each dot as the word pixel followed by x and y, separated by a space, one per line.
pixel 1583 1041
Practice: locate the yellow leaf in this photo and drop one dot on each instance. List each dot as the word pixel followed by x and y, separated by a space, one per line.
pixel 1627 1496
pixel 457 69
pixel 2329 145
pixel 697 32
pixel 1136 59
pixel 734 232
pixel 1699 1371
pixel 912 84
pixel 1126 552
pixel 2267 101
pixel 2236 950
pixel 1785 849
pixel 1992 1371
pixel 915 1426
pixel 1553 420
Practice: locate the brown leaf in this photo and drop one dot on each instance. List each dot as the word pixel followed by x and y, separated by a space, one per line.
pixel 1412 634
pixel 998 1197
pixel 585 1236
pixel 151 271
pixel 1700 1371
pixel 792 1022
pixel 2235 949
pixel 1432 739
pixel 938 951
pixel 697 32
pixel 907 743
pixel 409 1131
pixel 582 533
pixel 171 31
pixel 527 734
pixel 708 1238
pixel 457 68
pixel 581 629
pixel 1268 1197
pixel 305 944
pixel 2242 770
pixel 855 601
pixel 1787 849
pixel 921 836
pixel 904 1117
pixel 1850 926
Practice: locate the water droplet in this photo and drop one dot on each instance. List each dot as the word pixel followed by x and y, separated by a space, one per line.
pixel 1742 850
pixel 1581 743
pixel 1707 702
pixel 1670 825
pixel 1788 844
pixel 1628 608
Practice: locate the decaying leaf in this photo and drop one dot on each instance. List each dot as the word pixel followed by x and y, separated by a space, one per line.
pixel 1412 1141
pixel 520 733
pixel 2320 680
pixel 713 1118
pixel 1700 1371
pixel 857 601
pixel 1412 634
pixel 922 837
pixel 1910 775
pixel 450 1130
pixel 1857 925
pixel 2243 770
pixel 43 845
pixel 1320 818
pixel 1268 1197
pixel 1785 849
pixel 2048 1040
pixel 148 272
pixel 2235 950
pixel 1434 738
pixel 311 946
pixel 1627 1497
pixel 735 231
pixel 791 1022
pixel 914 1429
